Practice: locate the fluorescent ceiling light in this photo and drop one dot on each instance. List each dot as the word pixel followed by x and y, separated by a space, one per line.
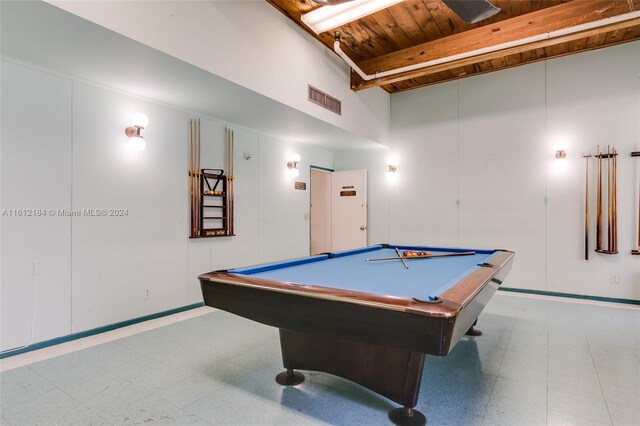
pixel 326 18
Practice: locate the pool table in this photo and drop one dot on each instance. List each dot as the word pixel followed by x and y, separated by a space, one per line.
pixel 369 321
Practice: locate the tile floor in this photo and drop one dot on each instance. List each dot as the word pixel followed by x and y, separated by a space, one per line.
pixel 539 362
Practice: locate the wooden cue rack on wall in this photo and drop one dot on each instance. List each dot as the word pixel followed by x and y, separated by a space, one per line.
pixel 636 251
pixel 612 201
pixel 210 190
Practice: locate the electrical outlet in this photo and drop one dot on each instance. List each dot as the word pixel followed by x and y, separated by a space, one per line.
pixel 615 279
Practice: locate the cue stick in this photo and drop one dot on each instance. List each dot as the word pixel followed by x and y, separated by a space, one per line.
pixel 226 167
pixel 191 186
pixel 195 183
pixel 586 210
pixel 190 183
pixel 400 257
pixel 198 179
pixel 462 253
pixel 196 225
pixel 637 154
pixel 614 197
pixel 599 201
pixel 230 179
pixel 638 250
pixel 609 212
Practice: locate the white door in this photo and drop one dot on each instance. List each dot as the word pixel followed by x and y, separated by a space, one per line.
pixel 348 210
pixel 320 211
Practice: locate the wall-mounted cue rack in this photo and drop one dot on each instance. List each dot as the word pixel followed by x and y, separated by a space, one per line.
pixel 606 161
pixel 636 251
pixel 210 190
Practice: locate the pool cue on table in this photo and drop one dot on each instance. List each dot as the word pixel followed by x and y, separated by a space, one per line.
pixel 462 253
pixel 401 258
pixel 586 210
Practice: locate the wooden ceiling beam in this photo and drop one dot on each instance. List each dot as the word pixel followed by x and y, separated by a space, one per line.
pixel 533 24
pixel 361 84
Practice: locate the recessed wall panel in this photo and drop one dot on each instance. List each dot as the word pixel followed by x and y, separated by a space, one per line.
pixel 36 183
pixel 502 168
pixel 135 263
pixel 423 192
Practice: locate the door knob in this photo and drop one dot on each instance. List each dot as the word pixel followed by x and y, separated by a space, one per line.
pixel 362 228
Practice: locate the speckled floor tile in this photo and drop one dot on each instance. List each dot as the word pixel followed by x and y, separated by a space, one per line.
pixel 594 409
pixel 538 362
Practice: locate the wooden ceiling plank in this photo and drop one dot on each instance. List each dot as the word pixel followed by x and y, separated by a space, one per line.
pixel 595 40
pixel 577 45
pixel 423 19
pixel 394 28
pixel 359 84
pixel 468 69
pixel 527 56
pixel 632 33
pixel 459 72
pixel 378 33
pixel 613 36
pixel 520 7
pixel 536 23
pixel 403 17
pixel 439 12
pixel 506 12
pixel 359 40
pixel 498 62
pixel 559 49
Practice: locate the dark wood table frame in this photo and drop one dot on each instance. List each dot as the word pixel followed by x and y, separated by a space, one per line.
pixel 376 341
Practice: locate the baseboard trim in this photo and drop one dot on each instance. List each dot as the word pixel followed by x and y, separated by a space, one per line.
pixel 571 295
pixel 94 331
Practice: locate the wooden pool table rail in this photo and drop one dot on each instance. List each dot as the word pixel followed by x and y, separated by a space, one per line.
pixel 449 304
pixel 494 269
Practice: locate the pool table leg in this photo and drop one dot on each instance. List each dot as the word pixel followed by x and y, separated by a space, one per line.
pixel 473 331
pixel 290 377
pixel 407 416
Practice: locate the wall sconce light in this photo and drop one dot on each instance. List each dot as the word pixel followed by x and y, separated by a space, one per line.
pixel 139 121
pixel 293 165
pixel 391 168
pixel 561 154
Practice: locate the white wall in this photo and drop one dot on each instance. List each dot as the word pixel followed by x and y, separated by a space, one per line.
pixel 252 44
pixel 36 174
pixel 476 168
pixel 63 147
pixel 41 35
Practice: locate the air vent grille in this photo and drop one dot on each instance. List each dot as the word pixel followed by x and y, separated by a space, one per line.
pixel 319 97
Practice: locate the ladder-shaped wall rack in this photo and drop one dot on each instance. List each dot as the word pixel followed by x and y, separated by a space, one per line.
pixel 210 190
pixel 214 203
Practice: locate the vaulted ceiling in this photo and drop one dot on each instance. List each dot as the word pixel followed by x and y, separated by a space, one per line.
pixel 427 31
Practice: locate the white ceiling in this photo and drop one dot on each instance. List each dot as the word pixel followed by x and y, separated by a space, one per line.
pixel 50 38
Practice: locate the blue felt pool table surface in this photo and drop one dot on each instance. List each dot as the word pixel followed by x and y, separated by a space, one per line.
pixel 425 279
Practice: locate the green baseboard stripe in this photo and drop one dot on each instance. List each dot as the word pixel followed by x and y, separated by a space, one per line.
pixel 105 328
pixel 571 295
